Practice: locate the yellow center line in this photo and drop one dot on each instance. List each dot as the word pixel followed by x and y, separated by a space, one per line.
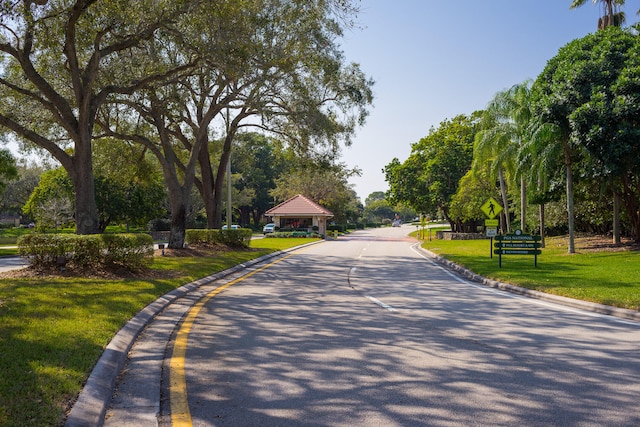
pixel 180 414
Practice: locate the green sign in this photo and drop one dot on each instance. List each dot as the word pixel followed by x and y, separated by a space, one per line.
pixel 518 237
pixel 517 252
pixel 518 243
pixel 491 222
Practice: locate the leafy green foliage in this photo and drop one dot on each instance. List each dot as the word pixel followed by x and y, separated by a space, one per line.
pixel 131 251
pixel 324 183
pixel 239 238
pixel 17 191
pixel 257 160
pixel 134 202
pixel 429 177
pixel 590 92
pixel 474 190
pixel 378 210
pixel 292 235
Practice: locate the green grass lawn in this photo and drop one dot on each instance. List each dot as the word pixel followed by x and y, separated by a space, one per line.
pixel 53 329
pixel 8 250
pixel 606 277
pixel 9 235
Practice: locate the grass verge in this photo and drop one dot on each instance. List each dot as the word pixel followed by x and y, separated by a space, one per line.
pixel 53 329
pixel 597 272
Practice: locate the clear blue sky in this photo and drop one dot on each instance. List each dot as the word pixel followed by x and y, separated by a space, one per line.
pixel 434 59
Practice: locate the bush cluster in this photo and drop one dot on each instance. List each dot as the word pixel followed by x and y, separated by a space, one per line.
pixel 131 251
pixel 290 234
pixel 239 238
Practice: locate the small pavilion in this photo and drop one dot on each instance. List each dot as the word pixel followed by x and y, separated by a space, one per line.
pixel 300 212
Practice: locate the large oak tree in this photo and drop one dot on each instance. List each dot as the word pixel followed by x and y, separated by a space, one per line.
pixel 60 62
pixel 268 64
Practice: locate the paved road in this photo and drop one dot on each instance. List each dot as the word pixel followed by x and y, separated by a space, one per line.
pixel 365 331
pixel 8 263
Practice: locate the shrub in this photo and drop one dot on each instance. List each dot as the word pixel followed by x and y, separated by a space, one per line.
pixel 42 249
pixel 239 238
pixel 291 234
pixel 84 251
pixel 131 251
pixel 200 237
pixel 233 238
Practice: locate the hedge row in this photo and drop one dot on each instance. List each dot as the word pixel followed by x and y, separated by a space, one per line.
pixel 131 251
pixel 290 234
pixel 238 238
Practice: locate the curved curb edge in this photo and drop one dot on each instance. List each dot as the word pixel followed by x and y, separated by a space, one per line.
pixel 95 397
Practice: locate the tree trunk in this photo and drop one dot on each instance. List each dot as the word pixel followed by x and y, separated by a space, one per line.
pixel 523 205
pixel 570 205
pixel 179 194
pixel 245 215
pixel 207 188
pixel 219 180
pixel 256 214
pixel 616 217
pixel 542 226
pixel 632 205
pixel 81 174
pixel 179 199
pixel 178 226
pixel 505 201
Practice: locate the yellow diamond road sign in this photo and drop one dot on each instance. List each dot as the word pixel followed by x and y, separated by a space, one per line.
pixel 491 208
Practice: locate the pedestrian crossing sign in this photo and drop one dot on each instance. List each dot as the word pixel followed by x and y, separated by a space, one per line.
pixel 491 208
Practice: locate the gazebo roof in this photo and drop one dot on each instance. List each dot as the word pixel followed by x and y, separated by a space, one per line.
pixel 298 206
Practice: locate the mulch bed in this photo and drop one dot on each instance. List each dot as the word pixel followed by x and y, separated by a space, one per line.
pixel 597 243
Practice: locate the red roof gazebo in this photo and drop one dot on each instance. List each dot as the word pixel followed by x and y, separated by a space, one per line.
pixel 300 212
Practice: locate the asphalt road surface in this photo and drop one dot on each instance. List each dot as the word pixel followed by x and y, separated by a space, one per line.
pixel 366 331
pixel 9 263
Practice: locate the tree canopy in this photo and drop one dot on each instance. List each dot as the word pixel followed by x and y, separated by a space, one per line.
pixel 429 177
pixel 61 61
pixel 590 91
pixel 174 76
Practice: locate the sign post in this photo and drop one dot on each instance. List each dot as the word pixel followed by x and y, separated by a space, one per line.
pixel 491 209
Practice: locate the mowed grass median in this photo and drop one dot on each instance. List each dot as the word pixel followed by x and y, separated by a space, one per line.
pixel 53 329
pixel 598 272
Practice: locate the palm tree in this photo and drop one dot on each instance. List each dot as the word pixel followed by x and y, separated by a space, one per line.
pixel 540 155
pixel 505 127
pixel 612 15
pixel 487 147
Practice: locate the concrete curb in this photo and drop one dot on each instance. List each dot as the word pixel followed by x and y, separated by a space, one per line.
pixel 94 399
pixel 570 302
